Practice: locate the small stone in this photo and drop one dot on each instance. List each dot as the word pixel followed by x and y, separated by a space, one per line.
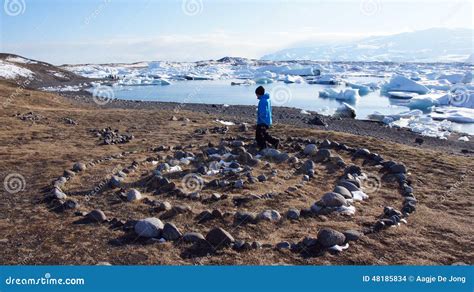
pixel 149 227
pixel 164 206
pixel 307 166
pixel 193 237
pixel 283 245
pixel 238 184
pixel 293 214
pixel 332 199
pixel 69 173
pixel 281 158
pixel 56 193
pixel 256 245
pixel 310 149
pixel 133 195
pixel 352 235
pixel 343 191
pixel 322 155
pixel 348 185
pixel 96 216
pixel 171 232
pixel 305 177
pixel 293 160
pixel 244 218
pixel 398 168
pixel 261 178
pixel 329 237
pixel 270 215
pixel 115 181
pixel 79 166
pixel 219 238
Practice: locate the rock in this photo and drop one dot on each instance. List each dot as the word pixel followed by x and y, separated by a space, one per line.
pixel 317 121
pixel 293 214
pixel 171 232
pixel 270 215
pixel 310 149
pixel 419 141
pixel 343 191
pixel 56 193
pixel 329 237
pixel 96 216
pixel 332 199
pixel 133 195
pixel 398 168
pixel 348 185
pixel 244 127
pixel 79 166
pixel 283 245
pixel 238 184
pixel 219 238
pixel 307 166
pixel 149 227
pixel 270 153
pixel 261 178
pixel 389 212
pixel 70 204
pixel 115 182
pixel 305 177
pixel 352 235
pixel 69 173
pixel 326 144
pixel 353 170
pixel 193 237
pixel 322 155
pixel 164 206
pixel 241 217
pixel 361 153
pixel 293 160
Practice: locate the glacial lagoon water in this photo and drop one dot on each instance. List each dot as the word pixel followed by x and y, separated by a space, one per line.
pixel 303 96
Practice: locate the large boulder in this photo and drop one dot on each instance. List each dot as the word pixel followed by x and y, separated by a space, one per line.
pixel 149 227
pixel 96 216
pixel 133 195
pixel 171 232
pixel 332 199
pixel 328 237
pixel 310 149
pixel 218 238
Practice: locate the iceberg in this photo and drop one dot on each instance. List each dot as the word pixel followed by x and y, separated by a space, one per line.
pixel 401 94
pixel 426 126
pixel 455 78
pixel 453 114
pixel 329 79
pixel 349 95
pixel 401 83
pixel 363 89
pixel 293 79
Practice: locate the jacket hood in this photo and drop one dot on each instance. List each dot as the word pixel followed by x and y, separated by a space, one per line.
pixel 265 96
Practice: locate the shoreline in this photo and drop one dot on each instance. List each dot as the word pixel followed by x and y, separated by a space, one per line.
pixel 293 117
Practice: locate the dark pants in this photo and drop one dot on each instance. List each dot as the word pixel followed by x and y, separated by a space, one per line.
pixel 262 137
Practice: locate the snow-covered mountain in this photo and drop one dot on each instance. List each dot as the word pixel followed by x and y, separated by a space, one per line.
pixel 430 45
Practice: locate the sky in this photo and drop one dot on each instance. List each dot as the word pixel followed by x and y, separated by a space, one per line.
pixel 106 31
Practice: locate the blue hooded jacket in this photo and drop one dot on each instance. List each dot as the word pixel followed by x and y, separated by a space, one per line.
pixel 264 113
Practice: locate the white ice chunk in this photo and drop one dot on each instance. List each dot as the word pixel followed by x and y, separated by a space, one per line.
pixel 339 247
pixel 402 83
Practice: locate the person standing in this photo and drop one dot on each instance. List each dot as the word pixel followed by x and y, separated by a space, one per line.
pixel 264 120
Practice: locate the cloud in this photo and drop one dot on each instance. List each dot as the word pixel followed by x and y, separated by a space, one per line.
pixel 176 47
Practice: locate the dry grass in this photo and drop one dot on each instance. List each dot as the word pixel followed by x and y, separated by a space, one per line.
pixel 440 232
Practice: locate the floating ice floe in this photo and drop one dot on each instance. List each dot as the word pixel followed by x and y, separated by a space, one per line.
pixel 456 78
pixel 402 83
pixel 402 94
pixel 363 89
pixel 73 88
pixel 453 114
pixel 328 79
pixel 294 79
pixel 349 95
